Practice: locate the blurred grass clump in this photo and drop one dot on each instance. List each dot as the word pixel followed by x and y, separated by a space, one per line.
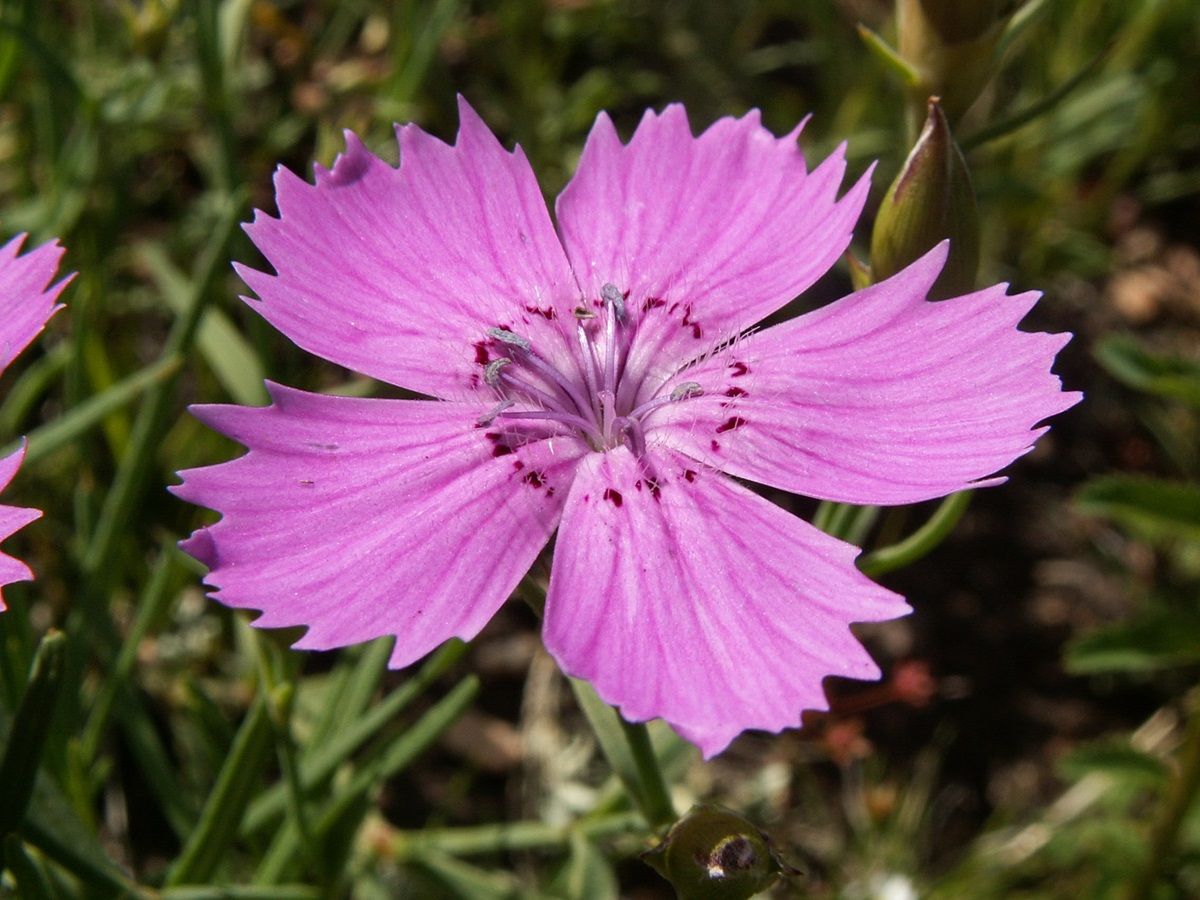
pixel 181 754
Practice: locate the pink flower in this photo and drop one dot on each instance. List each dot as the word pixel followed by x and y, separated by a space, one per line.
pixel 602 380
pixel 26 303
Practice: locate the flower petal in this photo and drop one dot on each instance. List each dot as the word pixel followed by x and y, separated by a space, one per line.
pixel 680 594
pixel 396 273
pixel 363 517
pixel 709 234
pixel 12 519
pixel 26 294
pixel 880 397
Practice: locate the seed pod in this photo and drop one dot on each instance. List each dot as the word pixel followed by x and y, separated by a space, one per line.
pixel 930 200
pixel 715 854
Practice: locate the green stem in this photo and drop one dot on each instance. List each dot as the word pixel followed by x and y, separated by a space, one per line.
pixel 280 694
pixel 1180 794
pixel 920 542
pixel 657 806
pixel 627 748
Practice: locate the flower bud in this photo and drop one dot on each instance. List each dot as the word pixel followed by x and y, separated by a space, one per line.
pixel 952 45
pixel 930 200
pixel 715 854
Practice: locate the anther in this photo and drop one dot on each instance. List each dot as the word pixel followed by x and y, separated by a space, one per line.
pixel 611 295
pixel 583 314
pixel 505 336
pixel 488 417
pixel 682 391
pixel 491 372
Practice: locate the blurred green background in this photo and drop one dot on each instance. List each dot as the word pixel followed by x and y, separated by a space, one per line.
pixel 1036 732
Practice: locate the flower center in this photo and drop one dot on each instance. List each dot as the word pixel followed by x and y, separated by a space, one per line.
pixel 594 399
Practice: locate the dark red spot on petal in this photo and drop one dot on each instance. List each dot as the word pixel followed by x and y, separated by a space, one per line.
pixel 689 475
pixel 715 446
pixel 638 484
pixel 534 479
pixel 482 356
pixel 655 488
pixel 613 497
pixel 739 369
pixel 550 491
pixel 501 450
pixel 696 332
pixel 735 392
pixel 653 303
pixel 518 465
pixel 731 423
pixel 546 312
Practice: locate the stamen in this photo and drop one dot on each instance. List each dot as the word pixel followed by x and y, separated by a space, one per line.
pixel 488 417
pixel 491 372
pixel 612 295
pixel 565 418
pixel 583 314
pixel 508 337
pixel 530 391
pixel 569 389
pixel 591 365
pixel 686 390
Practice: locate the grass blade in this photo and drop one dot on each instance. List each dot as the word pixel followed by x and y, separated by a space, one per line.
pixel 27 735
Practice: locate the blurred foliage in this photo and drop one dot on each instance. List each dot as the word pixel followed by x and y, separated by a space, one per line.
pixel 188 753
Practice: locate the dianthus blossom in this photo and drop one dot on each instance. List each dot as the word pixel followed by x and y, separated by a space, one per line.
pixel 26 303
pixel 601 378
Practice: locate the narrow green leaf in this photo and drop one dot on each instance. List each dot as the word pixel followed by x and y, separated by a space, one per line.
pixel 512 836
pixel 606 724
pixel 347 809
pixel 53 828
pixel 1010 123
pixel 1124 357
pixel 1116 758
pixel 32 881
pixel 355 695
pixel 891 59
pixel 87 415
pixel 1157 509
pixel 28 390
pixel 1159 638
pixel 229 355
pixel 468 882
pixel 218 825
pixel 27 735
pixel 241 892
pixel 320 762
pixel 587 874
pixel 151 606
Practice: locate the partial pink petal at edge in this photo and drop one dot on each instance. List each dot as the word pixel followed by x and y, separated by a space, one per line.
pixel 27 296
pixel 12 519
